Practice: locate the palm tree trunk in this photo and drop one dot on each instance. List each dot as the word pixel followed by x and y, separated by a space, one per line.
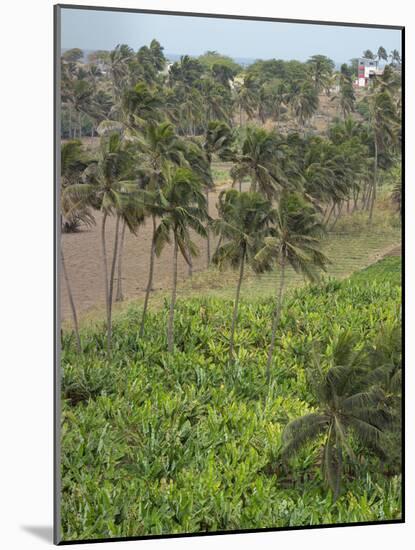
pixel 150 277
pixel 72 304
pixel 235 307
pixel 70 122
pixel 105 265
pixel 335 219
pixel 170 326
pixel 330 213
pixel 120 297
pixel 218 245
pixel 375 174
pixel 276 320
pixel 190 262
pixel 207 229
pixel 111 285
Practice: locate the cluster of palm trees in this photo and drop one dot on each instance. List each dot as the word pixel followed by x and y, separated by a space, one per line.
pixel 154 166
pixel 196 91
pixel 382 55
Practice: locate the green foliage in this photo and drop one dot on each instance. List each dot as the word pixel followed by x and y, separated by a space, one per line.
pixel 156 443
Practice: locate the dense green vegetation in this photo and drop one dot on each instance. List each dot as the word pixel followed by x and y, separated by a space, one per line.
pixel 160 443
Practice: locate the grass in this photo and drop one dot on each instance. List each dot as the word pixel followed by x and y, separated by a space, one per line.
pixel 156 443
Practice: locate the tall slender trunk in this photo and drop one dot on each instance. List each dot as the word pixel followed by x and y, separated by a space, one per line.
pixel 150 277
pixel 80 124
pixel 330 213
pixel 218 245
pixel 170 326
pixel 276 320
pixel 190 262
pixel 72 304
pixel 235 307
pixel 240 186
pixel 207 229
pixel 105 265
pixel 335 219
pixel 375 177
pixel 111 285
pixel 70 122
pixel 119 296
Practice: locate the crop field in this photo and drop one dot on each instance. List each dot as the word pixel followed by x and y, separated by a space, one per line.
pixel 156 443
pixel 230 284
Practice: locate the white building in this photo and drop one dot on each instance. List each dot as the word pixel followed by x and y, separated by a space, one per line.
pixel 366 69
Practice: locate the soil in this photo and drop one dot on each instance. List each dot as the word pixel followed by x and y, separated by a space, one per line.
pixel 83 259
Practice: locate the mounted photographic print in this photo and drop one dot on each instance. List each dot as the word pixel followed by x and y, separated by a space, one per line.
pixel 228 224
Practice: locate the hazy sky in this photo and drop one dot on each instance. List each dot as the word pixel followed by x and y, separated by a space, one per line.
pixel 92 30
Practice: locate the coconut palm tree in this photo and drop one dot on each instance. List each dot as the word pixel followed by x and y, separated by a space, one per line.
pixel 381 54
pixel 184 208
pixel 261 152
pixel 246 219
pixel 158 146
pixel 296 242
pixel 395 58
pixel 347 96
pixel 244 98
pixel 73 213
pixel 111 188
pixel 218 140
pixel 73 165
pixel 384 122
pixel 304 102
pixel 132 214
pixel 347 406
pixel 120 59
pixel 197 159
pixel 321 68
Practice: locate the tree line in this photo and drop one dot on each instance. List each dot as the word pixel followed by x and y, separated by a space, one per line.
pixel 148 169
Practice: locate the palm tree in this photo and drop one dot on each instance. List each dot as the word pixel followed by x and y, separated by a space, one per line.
pixel 132 214
pixel 219 140
pixel 119 63
pixel 260 156
pixel 72 212
pixel 110 190
pixel 158 146
pixel 347 405
pixel 216 100
pixel 198 161
pixel 296 242
pixel 321 68
pixel 245 221
pixel 73 166
pixel 395 58
pixel 347 95
pixel 385 124
pixel 304 102
pixel 244 98
pixel 368 54
pixel 184 208
pixel 382 54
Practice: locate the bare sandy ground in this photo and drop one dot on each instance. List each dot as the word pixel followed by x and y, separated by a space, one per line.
pixel 83 260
